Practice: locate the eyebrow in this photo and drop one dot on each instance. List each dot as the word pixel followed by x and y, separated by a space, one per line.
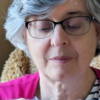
pixel 75 13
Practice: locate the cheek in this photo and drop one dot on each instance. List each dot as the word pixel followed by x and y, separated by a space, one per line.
pixel 38 49
pixel 85 48
pixel 89 43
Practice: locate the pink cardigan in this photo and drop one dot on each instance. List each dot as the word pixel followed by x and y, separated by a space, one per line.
pixel 24 87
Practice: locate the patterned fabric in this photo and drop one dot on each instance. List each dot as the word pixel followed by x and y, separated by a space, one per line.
pixel 35 98
pixel 95 91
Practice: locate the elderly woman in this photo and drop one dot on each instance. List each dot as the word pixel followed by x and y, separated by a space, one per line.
pixel 61 37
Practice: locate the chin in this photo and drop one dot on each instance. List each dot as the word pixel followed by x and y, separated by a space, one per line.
pixel 58 76
pixel 62 75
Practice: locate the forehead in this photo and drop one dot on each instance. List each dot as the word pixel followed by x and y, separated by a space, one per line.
pixel 70 7
pixel 67 9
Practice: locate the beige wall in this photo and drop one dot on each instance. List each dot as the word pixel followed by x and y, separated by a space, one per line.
pixel 5 46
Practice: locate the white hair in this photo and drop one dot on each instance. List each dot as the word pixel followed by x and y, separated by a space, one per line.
pixel 21 9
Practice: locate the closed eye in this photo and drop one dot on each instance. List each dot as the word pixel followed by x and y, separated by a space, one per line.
pixel 73 27
pixel 45 29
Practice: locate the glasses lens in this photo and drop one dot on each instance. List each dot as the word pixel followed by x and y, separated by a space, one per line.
pixel 76 25
pixel 40 29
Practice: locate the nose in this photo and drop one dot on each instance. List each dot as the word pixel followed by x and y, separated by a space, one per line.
pixel 59 37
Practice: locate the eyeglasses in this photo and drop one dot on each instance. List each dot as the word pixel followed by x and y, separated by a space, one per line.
pixel 75 26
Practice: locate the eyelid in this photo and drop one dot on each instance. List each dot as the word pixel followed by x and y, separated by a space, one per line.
pixel 78 13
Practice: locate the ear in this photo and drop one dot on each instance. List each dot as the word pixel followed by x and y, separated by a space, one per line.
pixel 24 33
pixel 97 26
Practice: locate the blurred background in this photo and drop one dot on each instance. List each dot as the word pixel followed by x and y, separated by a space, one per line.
pixel 5 46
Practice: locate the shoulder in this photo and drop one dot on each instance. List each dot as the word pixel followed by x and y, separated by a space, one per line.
pixel 28 78
pixel 21 87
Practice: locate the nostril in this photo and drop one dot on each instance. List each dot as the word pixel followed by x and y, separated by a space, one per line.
pixel 64 43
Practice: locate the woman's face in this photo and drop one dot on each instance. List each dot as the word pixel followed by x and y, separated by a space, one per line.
pixel 62 55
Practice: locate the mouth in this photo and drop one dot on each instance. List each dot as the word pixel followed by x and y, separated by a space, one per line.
pixel 61 59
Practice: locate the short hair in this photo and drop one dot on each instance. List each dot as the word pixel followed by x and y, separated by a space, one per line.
pixel 19 10
pixel 94 9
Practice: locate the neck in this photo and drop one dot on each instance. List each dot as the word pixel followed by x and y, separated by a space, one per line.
pixel 74 88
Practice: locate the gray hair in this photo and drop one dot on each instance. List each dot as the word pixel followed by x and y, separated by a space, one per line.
pixel 94 9
pixel 21 9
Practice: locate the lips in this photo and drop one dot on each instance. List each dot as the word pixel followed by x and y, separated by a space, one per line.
pixel 61 59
